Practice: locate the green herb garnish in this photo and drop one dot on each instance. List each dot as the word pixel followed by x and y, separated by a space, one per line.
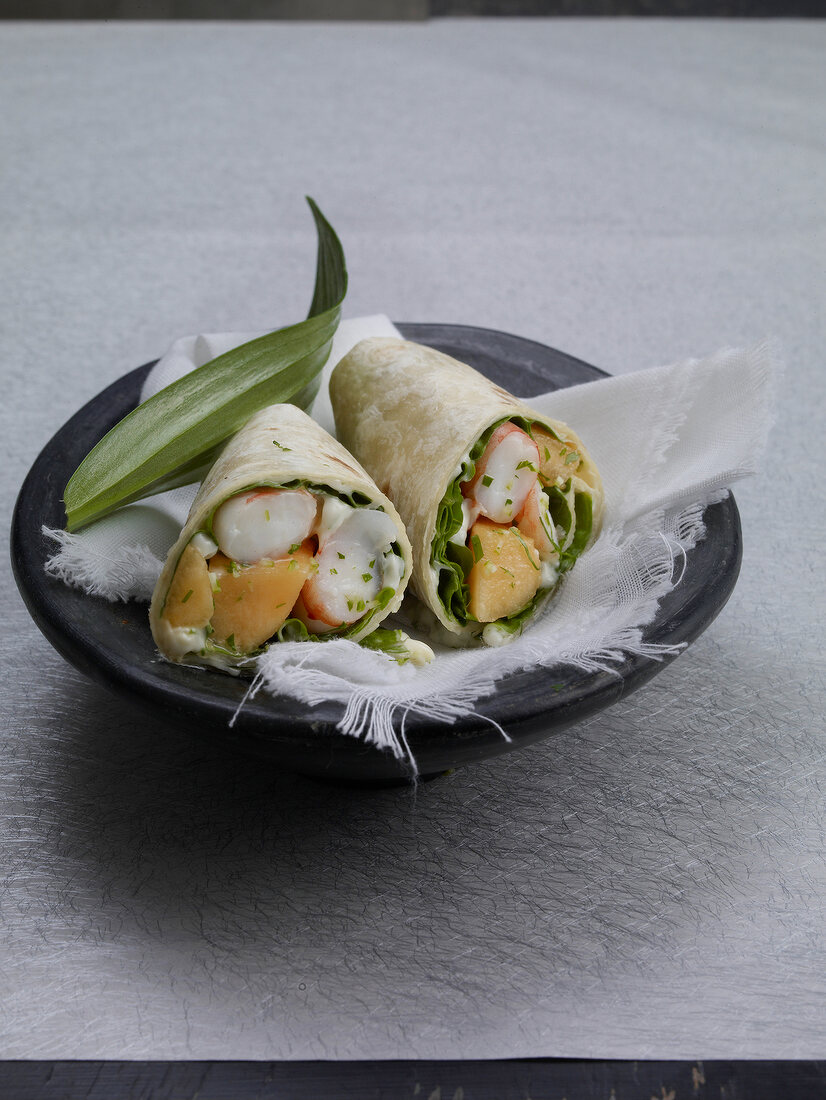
pixel 391 642
pixel 186 597
pixel 384 597
pixel 526 548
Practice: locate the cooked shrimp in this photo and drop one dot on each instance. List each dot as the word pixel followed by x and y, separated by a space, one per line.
pixel 505 474
pixel 351 570
pixel 264 523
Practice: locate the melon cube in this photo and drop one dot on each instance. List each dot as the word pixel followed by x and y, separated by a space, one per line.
pixel 557 459
pixel 189 599
pixel 253 601
pixel 506 574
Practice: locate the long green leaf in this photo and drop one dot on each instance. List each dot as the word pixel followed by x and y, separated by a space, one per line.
pixel 173 437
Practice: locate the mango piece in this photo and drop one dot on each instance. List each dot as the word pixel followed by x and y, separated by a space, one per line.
pixel 506 575
pixel 189 599
pixel 557 459
pixel 253 601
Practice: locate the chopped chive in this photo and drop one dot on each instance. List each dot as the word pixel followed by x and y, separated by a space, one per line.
pixel 372 563
pixel 524 464
pixel 384 597
pixel 349 605
pixel 281 446
pixel 341 555
pixel 504 570
pixel 234 568
pixel 572 457
pixel 186 597
pixel 293 565
pixel 547 455
pixel 334 571
pixel 487 480
pixel 267 514
pixel 525 548
pixel 366 578
pixel 476 546
pixel 295 546
pixel 360 605
pixel 231 641
pixel 279 605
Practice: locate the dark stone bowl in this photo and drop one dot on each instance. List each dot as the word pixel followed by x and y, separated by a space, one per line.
pixel 112 644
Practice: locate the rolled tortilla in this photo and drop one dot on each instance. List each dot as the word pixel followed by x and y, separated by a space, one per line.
pixel 419 422
pixel 236 581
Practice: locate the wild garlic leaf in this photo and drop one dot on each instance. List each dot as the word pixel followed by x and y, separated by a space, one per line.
pixel 174 437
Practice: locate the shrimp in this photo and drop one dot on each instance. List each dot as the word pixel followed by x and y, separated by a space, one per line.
pixel 265 523
pixel 351 568
pixel 505 474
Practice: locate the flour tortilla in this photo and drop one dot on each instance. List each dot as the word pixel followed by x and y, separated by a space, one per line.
pixel 279 445
pixel 411 415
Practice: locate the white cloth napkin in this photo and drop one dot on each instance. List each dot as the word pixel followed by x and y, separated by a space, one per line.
pixel 668 441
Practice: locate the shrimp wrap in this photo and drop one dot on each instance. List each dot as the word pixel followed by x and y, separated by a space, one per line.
pixel 287 539
pixel 498 500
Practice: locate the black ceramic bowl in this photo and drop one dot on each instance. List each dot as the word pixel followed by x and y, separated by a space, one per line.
pixel 112 644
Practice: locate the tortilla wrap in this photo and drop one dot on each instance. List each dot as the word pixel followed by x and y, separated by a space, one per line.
pixel 412 415
pixel 280 446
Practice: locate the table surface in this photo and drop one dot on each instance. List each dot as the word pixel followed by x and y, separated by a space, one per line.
pixel 648 884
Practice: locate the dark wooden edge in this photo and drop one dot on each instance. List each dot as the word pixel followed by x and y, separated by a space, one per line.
pixel 518 1079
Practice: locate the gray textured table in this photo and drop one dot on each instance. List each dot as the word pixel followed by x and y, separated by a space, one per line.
pixel 650 884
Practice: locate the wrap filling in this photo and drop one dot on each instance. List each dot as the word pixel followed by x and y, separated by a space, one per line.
pixel 513 520
pixel 281 563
